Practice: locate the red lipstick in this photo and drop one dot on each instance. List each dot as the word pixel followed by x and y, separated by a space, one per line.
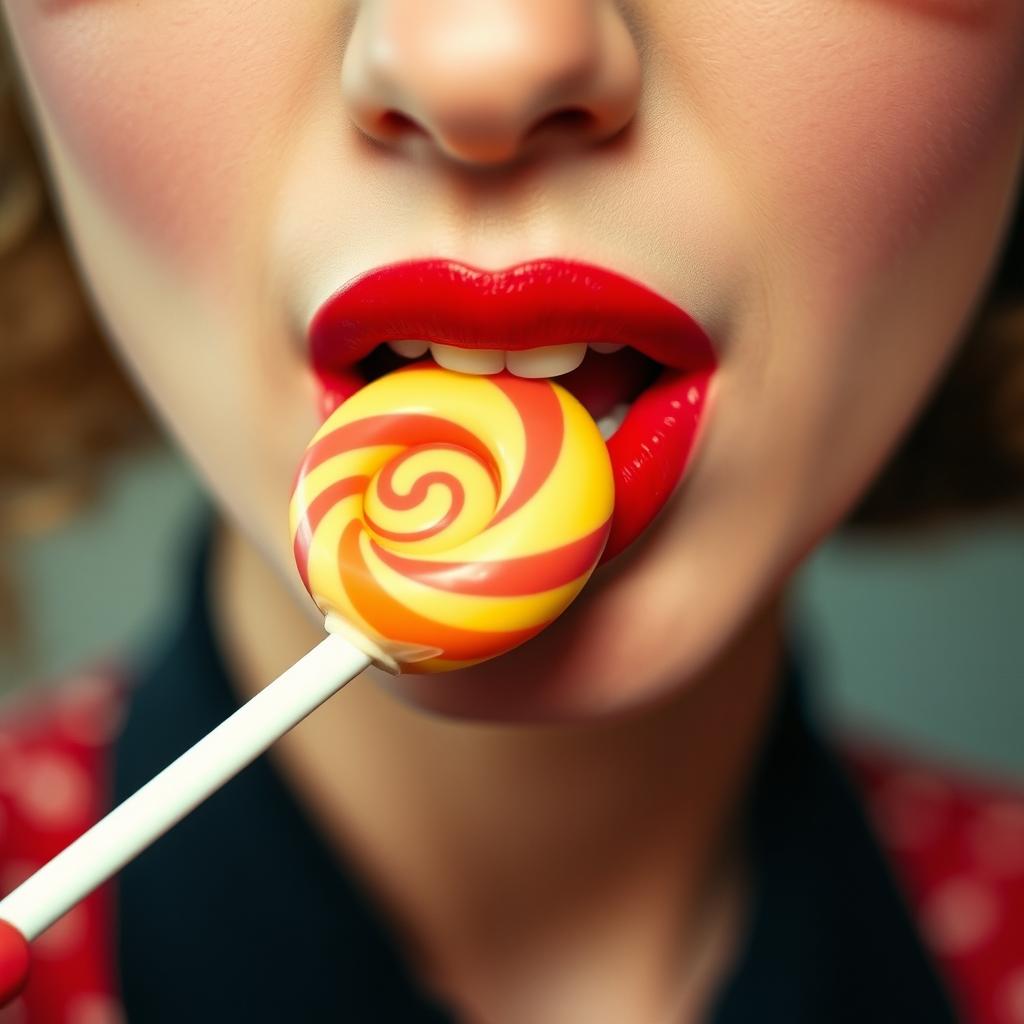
pixel 539 303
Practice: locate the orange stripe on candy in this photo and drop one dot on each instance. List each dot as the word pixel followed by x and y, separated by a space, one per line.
pixel 314 513
pixel 397 429
pixel 397 622
pixel 513 577
pixel 541 416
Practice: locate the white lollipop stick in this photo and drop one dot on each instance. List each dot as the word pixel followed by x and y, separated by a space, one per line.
pixel 184 784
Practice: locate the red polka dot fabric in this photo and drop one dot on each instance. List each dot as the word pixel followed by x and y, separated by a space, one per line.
pixel 956 846
pixel 54 784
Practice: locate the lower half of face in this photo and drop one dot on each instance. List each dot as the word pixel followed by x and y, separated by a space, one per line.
pixel 825 191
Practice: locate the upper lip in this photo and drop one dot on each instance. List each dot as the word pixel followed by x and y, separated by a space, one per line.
pixel 537 303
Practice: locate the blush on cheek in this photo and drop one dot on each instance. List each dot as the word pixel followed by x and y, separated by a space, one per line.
pixel 167 112
pixel 927 151
pixel 880 123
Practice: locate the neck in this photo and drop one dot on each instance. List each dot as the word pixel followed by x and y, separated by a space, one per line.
pixel 501 851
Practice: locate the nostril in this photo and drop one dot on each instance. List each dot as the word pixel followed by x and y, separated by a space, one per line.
pixel 476 83
pixel 571 117
pixel 393 123
pixel 569 120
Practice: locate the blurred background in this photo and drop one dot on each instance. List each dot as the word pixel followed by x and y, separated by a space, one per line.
pixel 920 642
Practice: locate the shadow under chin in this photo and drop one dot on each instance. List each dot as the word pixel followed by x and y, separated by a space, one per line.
pixel 562 676
pixel 968 13
pixel 557 678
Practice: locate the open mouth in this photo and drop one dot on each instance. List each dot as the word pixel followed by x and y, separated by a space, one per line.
pixel 647 410
pixel 605 378
pixel 647 413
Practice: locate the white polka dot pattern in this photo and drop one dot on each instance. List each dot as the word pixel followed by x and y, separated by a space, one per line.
pixel 959 915
pixel 54 774
pixel 957 846
pixel 63 936
pixel 95 1008
pixel 53 791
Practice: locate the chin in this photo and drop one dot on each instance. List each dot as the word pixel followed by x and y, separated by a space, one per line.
pixel 564 675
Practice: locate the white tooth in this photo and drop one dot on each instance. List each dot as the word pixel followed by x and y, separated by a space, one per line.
pixel 409 349
pixel 605 347
pixel 610 423
pixel 468 360
pixel 547 361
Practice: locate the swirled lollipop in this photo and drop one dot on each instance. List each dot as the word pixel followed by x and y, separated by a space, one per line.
pixel 439 519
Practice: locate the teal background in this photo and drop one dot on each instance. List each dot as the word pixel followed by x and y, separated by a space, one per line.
pixel 919 642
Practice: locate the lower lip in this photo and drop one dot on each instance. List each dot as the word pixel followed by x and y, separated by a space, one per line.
pixel 649 452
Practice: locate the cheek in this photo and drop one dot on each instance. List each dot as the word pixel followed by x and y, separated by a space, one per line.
pixel 168 109
pixel 864 121
pixel 906 149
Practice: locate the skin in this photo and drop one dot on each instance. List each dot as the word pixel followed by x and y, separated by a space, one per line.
pixel 823 184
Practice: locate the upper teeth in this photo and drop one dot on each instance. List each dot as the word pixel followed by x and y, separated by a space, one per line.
pixel 469 360
pixel 410 349
pixel 546 361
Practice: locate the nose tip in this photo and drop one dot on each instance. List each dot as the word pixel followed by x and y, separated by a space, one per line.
pixel 483 83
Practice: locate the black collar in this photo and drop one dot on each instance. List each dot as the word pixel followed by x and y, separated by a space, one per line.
pixel 242 912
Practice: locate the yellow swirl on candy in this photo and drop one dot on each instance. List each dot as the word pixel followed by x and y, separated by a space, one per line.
pixel 446 517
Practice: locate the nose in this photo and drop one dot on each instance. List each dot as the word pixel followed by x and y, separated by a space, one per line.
pixel 484 82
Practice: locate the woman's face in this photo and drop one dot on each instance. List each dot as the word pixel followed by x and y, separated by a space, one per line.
pixel 821 184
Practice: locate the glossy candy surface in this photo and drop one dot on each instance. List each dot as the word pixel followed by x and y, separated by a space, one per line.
pixel 446 518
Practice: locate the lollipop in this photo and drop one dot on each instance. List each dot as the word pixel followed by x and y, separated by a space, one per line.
pixel 437 520
pixel 440 519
